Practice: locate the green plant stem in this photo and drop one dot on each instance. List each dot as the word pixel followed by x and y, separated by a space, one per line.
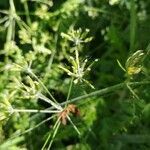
pixel 133 93
pixel 2 20
pixel 77 58
pixel 41 96
pixel 30 71
pixel 76 129
pixel 105 91
pixel 55 128
pixel 34 111
pixel 32 128
pixel 27 13
pixel 70 88
pixel 11 21
pixel 6 12
pixel 54 134
pixel 133 26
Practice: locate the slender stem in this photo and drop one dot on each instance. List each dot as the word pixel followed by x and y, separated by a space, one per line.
pixel 10 27
pixel 54 134
pixel 133 26
pixel 13 29
pixel 70 88
pixel 27 13
pixel 36 126
pixel 105 91
pixel 49 101
pixel 30 71
pixel 6 12
pixel 4 19
pixel 57 123
pixel 134 94
pixel 76 129
pixel 34 111
pixel 77 59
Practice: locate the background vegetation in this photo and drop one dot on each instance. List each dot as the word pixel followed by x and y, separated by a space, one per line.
pixel 74 74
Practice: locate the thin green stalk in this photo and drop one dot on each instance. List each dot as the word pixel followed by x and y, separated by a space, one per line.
pixel 54 127
pixel 133 93
pixel 51 61
pixel 77 59
pixel 13 29
pixel 133 25
pixel 20 13
pixel 70 88
pixel 30 71
pixel 34 111
pixel 54 134
pixel 36 126
pixel 49 101
pixel 9 31
pixel 105 91
pixel 10 28
pixel 2 20
pixel 76 129
pixel 6 12
pixel 27 13
pixel 22 25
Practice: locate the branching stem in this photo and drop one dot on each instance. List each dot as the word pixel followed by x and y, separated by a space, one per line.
pixel 105 91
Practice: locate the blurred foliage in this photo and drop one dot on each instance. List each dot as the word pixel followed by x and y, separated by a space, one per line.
pixel 42 35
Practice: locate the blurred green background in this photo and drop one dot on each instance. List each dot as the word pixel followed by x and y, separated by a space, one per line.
pixel 114 121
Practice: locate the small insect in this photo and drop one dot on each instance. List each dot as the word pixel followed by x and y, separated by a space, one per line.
pixel 70 109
